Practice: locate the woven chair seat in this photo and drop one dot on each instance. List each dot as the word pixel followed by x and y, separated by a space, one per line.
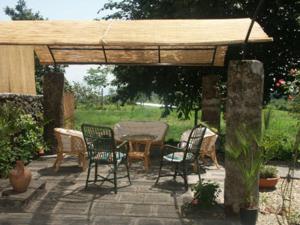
pixel 178 157
pixel 107 157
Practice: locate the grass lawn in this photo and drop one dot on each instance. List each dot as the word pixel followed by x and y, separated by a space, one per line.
pixel 282 123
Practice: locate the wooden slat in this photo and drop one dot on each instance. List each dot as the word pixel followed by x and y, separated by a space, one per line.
pixel 17 69
pixel 75 47
pixel 78 56
pixel 186 56
pixel 141 47
pixel 182 32
pixel 131 42
pixel 182 47
pixel 131 32
pixel 52 32
pixel 44 55
pixel 132 56
pixel 220 55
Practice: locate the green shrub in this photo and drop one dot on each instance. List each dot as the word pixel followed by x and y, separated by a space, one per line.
pixel 20 137
pixel 206 193
pixel 268 172
pixel 278 146
pixel 279 104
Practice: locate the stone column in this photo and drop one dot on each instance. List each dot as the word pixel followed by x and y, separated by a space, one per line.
pixel 53 88
pixel 210 100
pixel 243 107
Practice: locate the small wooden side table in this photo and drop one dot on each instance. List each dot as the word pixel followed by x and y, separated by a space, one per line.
pixel 139 148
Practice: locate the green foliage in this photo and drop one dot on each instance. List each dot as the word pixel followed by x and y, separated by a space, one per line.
pixel 248 158
pixel 113 114
pixel 292 89
pixel 86 96
pixel 96 78
pixel 268 172
pixel 22 12
pixel 20 137
pixel 279 104
pixel 206 193
pixel 278 146
pixel 277 141
pixel 176 86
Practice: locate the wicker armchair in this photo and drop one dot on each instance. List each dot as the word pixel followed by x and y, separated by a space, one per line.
pixel 70 142
pixel 208 146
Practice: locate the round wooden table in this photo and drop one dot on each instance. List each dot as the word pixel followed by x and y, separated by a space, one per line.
pixel 139 148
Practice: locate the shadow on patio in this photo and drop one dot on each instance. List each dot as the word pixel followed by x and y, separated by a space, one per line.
pixel 67 202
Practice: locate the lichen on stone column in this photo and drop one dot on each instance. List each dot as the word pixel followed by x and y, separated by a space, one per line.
pixel 243 107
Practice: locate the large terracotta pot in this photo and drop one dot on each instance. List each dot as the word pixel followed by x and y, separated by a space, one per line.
pixel 268 182
pixel 20 177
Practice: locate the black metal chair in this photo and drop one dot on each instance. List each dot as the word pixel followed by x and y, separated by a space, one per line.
pixel 101 149
pixel 183 155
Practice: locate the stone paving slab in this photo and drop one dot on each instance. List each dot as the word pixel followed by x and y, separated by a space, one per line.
pixel 67 202
pixel 12 201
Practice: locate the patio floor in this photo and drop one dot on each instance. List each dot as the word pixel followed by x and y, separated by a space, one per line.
pixel 67 202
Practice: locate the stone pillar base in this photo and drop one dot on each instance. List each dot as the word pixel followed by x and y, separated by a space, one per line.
pixel 211 109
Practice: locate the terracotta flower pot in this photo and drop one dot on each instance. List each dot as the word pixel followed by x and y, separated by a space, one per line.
pixel 268 182
pixel 41 152
pixel 20 177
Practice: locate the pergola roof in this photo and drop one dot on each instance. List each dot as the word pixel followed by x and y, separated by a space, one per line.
pixel 154 42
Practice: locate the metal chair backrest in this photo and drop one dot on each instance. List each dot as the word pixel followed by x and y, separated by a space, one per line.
pixel 98 139
pixel 195 140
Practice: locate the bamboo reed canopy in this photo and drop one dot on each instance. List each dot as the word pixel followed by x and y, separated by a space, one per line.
pixel 150 42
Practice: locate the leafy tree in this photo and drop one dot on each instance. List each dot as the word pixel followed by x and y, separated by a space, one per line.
pixel 84 94
pixel 96 78
pixel 182 86
pixel 22 12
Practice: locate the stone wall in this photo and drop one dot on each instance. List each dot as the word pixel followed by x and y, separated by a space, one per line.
pixel 53 89
pixel 31 104
pixel 211 104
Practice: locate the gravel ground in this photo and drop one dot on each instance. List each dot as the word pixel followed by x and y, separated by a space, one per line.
pixel 271 202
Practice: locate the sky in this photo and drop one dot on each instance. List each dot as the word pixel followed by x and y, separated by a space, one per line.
pixel 64 10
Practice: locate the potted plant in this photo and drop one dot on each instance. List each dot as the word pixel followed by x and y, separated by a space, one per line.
pixel 205 194
pixel 268 177
pixel 20 139
pixel 246 155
